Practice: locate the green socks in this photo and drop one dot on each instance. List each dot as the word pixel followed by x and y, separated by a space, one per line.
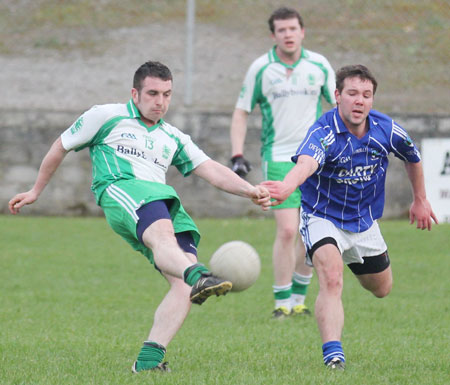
pixel 150 356
pixel 292 294
pixel 282 295
pixel 193 273
pixel 300 283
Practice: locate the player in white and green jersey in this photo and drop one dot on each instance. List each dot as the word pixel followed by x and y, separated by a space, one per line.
pixel 288 83
pixel 289 96
pixel 122 147
pixel 131 149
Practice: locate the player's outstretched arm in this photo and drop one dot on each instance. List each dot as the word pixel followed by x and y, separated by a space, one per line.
pixel 49 165
pixel 280 190
pixel 224 179
pixel 420 209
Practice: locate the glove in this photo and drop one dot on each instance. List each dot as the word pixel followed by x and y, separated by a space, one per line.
pixel 240 165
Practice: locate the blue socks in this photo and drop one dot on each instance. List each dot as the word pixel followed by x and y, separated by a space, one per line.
pixel 332 349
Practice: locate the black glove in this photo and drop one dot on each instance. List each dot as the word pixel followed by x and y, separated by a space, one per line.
pixel 240 165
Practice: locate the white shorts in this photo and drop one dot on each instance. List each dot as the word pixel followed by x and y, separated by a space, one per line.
pixel 352 246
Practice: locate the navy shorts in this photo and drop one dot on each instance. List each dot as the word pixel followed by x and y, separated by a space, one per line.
pixel 153 211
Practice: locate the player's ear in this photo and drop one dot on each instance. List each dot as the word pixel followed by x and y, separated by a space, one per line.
pixel 135 95
pixel 337 95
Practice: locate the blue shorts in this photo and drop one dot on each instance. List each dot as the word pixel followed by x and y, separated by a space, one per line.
pixel 153 211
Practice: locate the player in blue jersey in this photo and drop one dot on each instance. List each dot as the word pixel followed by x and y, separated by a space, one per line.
pixel 131 148
pixel 288 83
pixel 341 169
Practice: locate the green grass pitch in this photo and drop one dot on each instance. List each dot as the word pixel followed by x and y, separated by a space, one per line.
pixel 77 302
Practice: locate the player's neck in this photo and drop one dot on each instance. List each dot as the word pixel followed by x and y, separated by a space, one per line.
pixel 289 58
pixel 358 130
pixel 149 123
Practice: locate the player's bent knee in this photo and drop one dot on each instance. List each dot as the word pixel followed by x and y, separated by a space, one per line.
pixel 383 290
pixel 379 284
pixel 381 293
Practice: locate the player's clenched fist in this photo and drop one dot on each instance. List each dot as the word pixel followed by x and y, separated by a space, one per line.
pixel 261 197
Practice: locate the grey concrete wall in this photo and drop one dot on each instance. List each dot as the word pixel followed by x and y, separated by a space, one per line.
pixel 27 136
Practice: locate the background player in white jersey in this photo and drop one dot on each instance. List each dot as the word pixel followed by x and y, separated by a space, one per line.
pixel 287 83
pixel 131 148
pixel 341 168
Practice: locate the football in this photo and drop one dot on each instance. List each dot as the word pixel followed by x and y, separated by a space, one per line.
pixel 238 262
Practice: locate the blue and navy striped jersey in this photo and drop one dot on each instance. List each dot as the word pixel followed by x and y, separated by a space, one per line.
pixel 348 187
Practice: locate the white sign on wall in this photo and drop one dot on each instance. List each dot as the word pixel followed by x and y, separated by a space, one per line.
pixel 436 165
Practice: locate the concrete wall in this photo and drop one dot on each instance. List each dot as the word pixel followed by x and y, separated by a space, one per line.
pixel 27 136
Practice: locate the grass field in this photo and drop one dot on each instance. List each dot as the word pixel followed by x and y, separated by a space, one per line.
pixel 77 302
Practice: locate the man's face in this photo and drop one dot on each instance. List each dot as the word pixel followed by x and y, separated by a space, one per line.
pixel 153 99
pixel 355 102
pixel 288 35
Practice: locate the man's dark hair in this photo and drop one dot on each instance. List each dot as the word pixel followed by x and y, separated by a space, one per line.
pixel 352 71
pixel 284 13
pixel 153 69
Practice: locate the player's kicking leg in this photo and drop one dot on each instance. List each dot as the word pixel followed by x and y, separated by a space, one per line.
pixel 174 255
pixel 170 259
pixel 156 231
pixel 169 317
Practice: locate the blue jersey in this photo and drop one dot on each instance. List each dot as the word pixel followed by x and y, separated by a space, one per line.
pixel 348 186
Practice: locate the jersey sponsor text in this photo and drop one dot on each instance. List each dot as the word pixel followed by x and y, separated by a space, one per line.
pixel 131 151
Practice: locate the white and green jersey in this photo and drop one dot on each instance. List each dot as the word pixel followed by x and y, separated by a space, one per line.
pixel 289 104
pixel 122 146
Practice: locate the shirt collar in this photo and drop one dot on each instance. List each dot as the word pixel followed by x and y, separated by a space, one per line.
pixel 303 54
pixel 135 114
pixel 338 123
pixel 132 110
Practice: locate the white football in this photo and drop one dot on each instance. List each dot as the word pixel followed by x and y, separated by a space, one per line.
pixel 238 262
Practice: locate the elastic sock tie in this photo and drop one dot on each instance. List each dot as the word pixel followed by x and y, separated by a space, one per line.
pixel 193 273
